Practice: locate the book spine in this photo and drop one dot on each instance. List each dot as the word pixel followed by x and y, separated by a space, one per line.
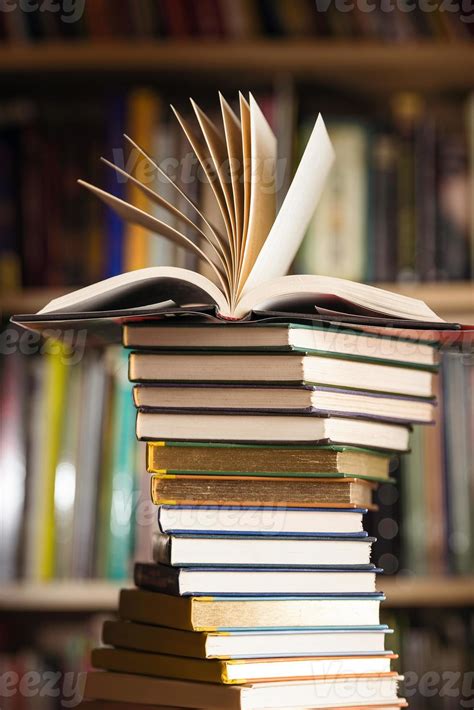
pixel 122 501
pixel 162 552
pixel 141 118
pixel 157 578
pixel 116 186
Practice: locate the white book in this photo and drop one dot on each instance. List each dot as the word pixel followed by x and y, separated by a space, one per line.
pixel 254 551
pixel 359 692
pixel 246 644
pixel 297 368
pixel 157 426
pixel 211 581
pixel 306 398
pixel 267 521
pixel 289 336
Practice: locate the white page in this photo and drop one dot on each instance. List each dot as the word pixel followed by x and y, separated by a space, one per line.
pixel 298 207
pixel 262 206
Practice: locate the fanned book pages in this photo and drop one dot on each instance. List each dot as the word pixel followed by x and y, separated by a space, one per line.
pixel 247 255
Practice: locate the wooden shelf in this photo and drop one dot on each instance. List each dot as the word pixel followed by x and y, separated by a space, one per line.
pixel 360 65
pixel 28 300
pixel 101 596
pixel 61 597
pixel 427 592
pixel 453 301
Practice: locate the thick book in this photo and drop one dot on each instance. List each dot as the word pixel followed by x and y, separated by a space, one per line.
pixel 315 694
pixel 290 368
pixel 271 428
pixel 282 399
pixel 238 671
pixel 228 614
pixel 246 644
pixel 184 550
pixel 261 521
pixel 193 457
pixel 280 338
pixel 227 490
pixel 256 581
pixel 248 257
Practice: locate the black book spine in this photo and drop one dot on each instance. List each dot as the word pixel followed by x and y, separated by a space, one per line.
pixel 162 548
pixel 157 577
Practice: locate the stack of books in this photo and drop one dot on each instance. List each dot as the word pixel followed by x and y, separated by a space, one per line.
pixel 264 445
pixel 267 431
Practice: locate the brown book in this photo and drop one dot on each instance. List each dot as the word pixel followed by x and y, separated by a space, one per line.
pixel 194 458
pixel 291 492
pixel 271 429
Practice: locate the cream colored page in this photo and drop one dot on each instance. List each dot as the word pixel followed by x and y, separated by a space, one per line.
pixel 164 204
pixel 218 151
pixel 246 160
pixel 216 232
pixel 134 215
pixel 212 177
pixel 262 188
pixel 296 211
pixel 233 135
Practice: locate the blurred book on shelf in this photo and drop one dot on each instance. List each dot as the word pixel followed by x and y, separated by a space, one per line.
pixel 80 493
pixel 47 666
pixel 428 530
pixel 435 650
pixel 237 20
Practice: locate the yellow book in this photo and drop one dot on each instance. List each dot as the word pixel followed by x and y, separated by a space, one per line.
pixel 143 112
pixel 241 670
pixel 209 459
pixel 40 563
pixel 214 614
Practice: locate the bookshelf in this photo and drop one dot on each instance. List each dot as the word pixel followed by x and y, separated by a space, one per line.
pixel 99 596
pixel 366 66
pixel 371 71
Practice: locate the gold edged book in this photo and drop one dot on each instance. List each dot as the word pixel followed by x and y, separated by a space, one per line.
pixel 229 613
pixel 241 460
pixel 265 491
pixel 239 671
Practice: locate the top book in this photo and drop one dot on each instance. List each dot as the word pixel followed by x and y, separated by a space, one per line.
pixel 248 256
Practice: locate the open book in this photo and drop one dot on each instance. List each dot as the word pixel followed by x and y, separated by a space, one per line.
pixel 246 256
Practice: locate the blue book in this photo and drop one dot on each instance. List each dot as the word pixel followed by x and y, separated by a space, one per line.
pixel 182 550
pixel 257 581
pixel 258 520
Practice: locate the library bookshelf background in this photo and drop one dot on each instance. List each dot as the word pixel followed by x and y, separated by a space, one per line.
pixel 397 93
